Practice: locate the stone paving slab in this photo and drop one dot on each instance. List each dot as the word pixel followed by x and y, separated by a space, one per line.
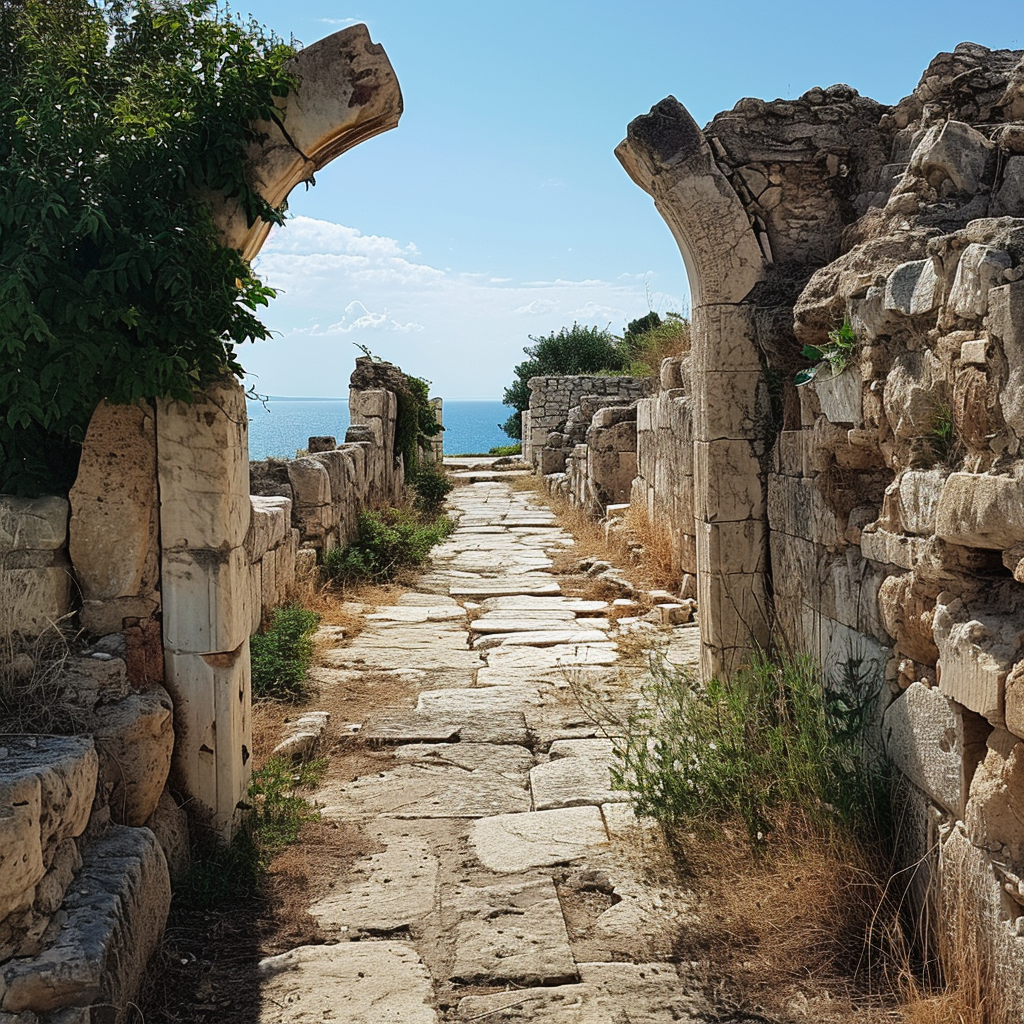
pixel 540 638
pixel 412 599
pixel 525 586
pixel 512 932
pixel 613 993
pixel 392 890
pixel 515 619
pixel 573 782
pixel 485 700
pixel 601 750
pixel 405 644
pixel 354 982
pixel 562 655
pixel 423 791
pixel 399 726
pixel 510 843
pixel 511 761
pixel 540 604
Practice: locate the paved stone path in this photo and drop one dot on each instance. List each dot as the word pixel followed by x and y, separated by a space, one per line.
pixel 511 883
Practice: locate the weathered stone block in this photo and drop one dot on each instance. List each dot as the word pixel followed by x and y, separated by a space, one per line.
pixel 213 729
pixel 44 597
pixel 910 404
pixel 840 397
pixel 728 481
pixel 978 646
pixel 914 288
pixel 111 923
pixel 892 548
pixel 920 734
pixel 980 270
pixel 981 511
pixel 206 600
pixel 47 786
pixel 956 151
pixel 115 518
pixel 269 525
pixel 993 815
pixel 203 462
pixel 134 740
pixel 32 524
pixel 918 493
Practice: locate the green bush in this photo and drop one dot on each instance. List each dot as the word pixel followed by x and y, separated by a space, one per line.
pixel 116 120
pixel 432 485
pixel 390 540
pixel 506 450
pixel 279 811
pixel 773 740
pixel 281 656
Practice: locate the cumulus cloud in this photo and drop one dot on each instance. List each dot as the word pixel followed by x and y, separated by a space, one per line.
pixel 340 22
pixel 464 331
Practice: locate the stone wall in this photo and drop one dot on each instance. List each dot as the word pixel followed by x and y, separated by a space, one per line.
pixel 663 486
pixel 559 417
pixel 601 470
pixel 891 491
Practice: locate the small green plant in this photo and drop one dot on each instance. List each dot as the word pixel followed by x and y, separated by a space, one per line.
pixel 506 450
pixel 432 485
pixel 649 340
pixel 279 812
pixel 772 740
pixel 942 438
pixel 282 654
pixel 835 355
pixel 390 540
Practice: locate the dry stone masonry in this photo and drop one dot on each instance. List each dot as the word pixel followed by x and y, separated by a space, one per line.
pixel 880 506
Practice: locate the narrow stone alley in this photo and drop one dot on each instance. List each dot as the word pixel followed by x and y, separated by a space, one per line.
pixel 510 882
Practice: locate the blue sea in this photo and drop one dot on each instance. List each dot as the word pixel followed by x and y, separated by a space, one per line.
pixel 281 426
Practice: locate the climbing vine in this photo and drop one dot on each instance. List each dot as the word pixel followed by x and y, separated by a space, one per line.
pixel 117 119
pixel 416 423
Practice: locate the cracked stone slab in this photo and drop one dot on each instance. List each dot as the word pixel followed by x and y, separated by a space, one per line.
pixel 599 749
pixel 425 645
pixel 355 982
pixel 513 619
pixel 513 762
pixel 466 703
pixel 424 791
pixel 495 588
pixel 412 599
pixel 510 843
pixel 512 656
pixel 540 638
pixel 512 932
pixel 606 994
pixel 573 782
pixel 399 726
pixel 396 890
pixel 524 603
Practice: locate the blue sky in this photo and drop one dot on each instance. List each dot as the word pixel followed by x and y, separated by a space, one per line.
pixel 496 209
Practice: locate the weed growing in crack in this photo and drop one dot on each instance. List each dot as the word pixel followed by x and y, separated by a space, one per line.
pixel 282 654
pixel 773 739
pixel 279 811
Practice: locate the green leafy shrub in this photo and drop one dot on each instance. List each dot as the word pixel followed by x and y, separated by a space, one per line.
pixel 281 655
pixel 390 540
pixel 506 450
pixel 279 812
pixel 831 358
pixel 571 351
pixel 649 340
pixel 773 739
pixel 432 485
pixel 116 120
pixel 415 425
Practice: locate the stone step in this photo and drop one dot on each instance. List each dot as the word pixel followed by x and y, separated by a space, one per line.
pixel 540 638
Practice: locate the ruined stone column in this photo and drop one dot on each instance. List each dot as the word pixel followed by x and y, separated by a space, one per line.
pixel 668 156
pixel 347 93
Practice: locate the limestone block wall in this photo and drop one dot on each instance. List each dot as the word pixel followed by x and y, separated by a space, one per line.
pixel 601 470
pixel 892 490
pixel 553 430
pixel 663 485
pixel 35 571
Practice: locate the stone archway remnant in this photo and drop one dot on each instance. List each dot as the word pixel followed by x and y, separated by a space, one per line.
pixel 669 157
pixel 347 93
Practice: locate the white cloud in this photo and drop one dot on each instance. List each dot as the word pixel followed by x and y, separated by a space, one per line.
pixel 464 331
pixel 338 21
pixel 358 318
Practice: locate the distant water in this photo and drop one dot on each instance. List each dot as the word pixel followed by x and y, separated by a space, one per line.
pixel 284 425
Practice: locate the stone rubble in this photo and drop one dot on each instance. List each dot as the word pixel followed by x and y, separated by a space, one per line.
pixel 492 807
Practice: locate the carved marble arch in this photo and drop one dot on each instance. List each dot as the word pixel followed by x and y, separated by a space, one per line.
pixel 668 156
pixel 347 93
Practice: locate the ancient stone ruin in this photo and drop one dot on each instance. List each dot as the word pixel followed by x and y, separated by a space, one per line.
pixel 875 515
